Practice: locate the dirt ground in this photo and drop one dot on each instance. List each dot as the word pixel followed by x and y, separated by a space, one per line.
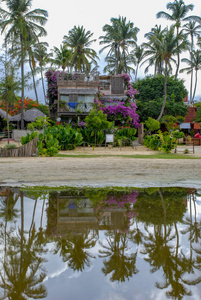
pixel 111 167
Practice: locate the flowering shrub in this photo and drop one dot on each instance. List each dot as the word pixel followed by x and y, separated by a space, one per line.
pixel 28 104
pixel 52 94
pixel 123 111
pixel 131 92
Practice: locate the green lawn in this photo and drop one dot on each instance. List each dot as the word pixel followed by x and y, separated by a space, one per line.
pixel 152 156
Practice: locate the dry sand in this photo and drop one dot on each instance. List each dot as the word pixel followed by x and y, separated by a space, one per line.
pixel 116 170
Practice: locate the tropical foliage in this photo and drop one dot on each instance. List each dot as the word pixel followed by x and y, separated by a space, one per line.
pixel 150 97
pixel 22 26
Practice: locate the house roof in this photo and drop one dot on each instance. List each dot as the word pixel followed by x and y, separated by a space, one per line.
pixel 196 126
pixel 29 115
pixel 3 114
pixel 78 91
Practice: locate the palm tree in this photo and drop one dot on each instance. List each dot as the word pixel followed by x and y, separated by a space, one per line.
pixel 20 21
pixel 137 57
pixel 62 57
pixel 111 68
pixel 192 29
pixel 153 50
pixel 178 14
pixel 117 262
pixel 119 36
pixel 8 88
pixel 128 36
pixel 171 45
pixel 112 41
pixel 43 58
pixel 79 40
pixel 194 64
pixel 75 249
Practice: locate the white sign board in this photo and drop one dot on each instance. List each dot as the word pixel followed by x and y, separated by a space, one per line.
pixel 109 138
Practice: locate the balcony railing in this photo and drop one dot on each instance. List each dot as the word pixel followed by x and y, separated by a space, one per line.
pixel 76 106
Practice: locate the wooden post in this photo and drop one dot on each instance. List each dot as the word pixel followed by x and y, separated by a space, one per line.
pixel 141 133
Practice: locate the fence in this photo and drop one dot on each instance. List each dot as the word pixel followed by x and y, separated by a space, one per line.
pixel 29 149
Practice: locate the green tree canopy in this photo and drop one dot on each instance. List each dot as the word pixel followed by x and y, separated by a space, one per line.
pixel 151 93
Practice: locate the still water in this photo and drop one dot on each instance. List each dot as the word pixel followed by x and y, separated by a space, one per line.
pixel 100 244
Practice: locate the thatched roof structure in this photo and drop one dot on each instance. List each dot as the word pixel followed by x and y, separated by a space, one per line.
pixel 3 114
pixel 29 115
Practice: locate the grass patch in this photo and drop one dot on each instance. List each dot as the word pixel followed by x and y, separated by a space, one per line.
pixel 152 156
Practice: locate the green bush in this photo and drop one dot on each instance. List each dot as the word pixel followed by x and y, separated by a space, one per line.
pixel 47 145
pixel 29 137
pixel 10 146
pixel 68 138
pixel 152 124
pixel 168 142
pixel 152 141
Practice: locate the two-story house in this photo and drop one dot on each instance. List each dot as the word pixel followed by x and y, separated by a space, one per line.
pixel 76 96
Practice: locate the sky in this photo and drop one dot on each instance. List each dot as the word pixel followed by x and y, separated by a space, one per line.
pixel 93 15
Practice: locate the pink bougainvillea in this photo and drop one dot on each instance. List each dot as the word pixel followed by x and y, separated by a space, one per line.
pixel 125 110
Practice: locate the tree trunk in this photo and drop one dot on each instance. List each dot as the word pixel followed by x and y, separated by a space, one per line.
pixel 22 80
pixel 126 69
pixel 165 94
pixel 116 59
pixel 41 70
pixel 196 73
pixel 33 77
pixel 136 72
pixel 191 83
pixel 178 56
pixel 7 123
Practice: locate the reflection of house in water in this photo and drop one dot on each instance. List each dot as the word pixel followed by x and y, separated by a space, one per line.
pixel 74 213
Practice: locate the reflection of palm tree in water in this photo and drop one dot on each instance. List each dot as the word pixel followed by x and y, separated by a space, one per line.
pixel 120 265
pixel 162 254
pixel 74 249
pixel 21 278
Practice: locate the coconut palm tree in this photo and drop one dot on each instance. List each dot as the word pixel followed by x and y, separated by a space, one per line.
pixel 128 36
pixel 62 57
pixel 178 14
pixel 193 30
pixel 112 41
pixel 18 22
pixel 111 68
pixel 137 57
pixel 117 262
pixel 119 36
pixel 171 45
pixel 79 40
pixel 153 50
pixel 43 58
pixel 194 64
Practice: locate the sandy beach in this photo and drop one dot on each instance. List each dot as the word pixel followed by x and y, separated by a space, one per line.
pixel 107 167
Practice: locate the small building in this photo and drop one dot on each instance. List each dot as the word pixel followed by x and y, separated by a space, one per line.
pixel 76 96
pixel 189 124
pixel 30 115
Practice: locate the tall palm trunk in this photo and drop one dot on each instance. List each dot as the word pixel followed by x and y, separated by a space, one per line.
pixel 22 234
pixel 125 63
pixel 7 123
pixel 33 77
pixel 43 85
pixel 191 82
pixel 165 94
pixel 116 59
pixel 196 78
pixel 178 56
pixel 22 82
pixel 136 71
